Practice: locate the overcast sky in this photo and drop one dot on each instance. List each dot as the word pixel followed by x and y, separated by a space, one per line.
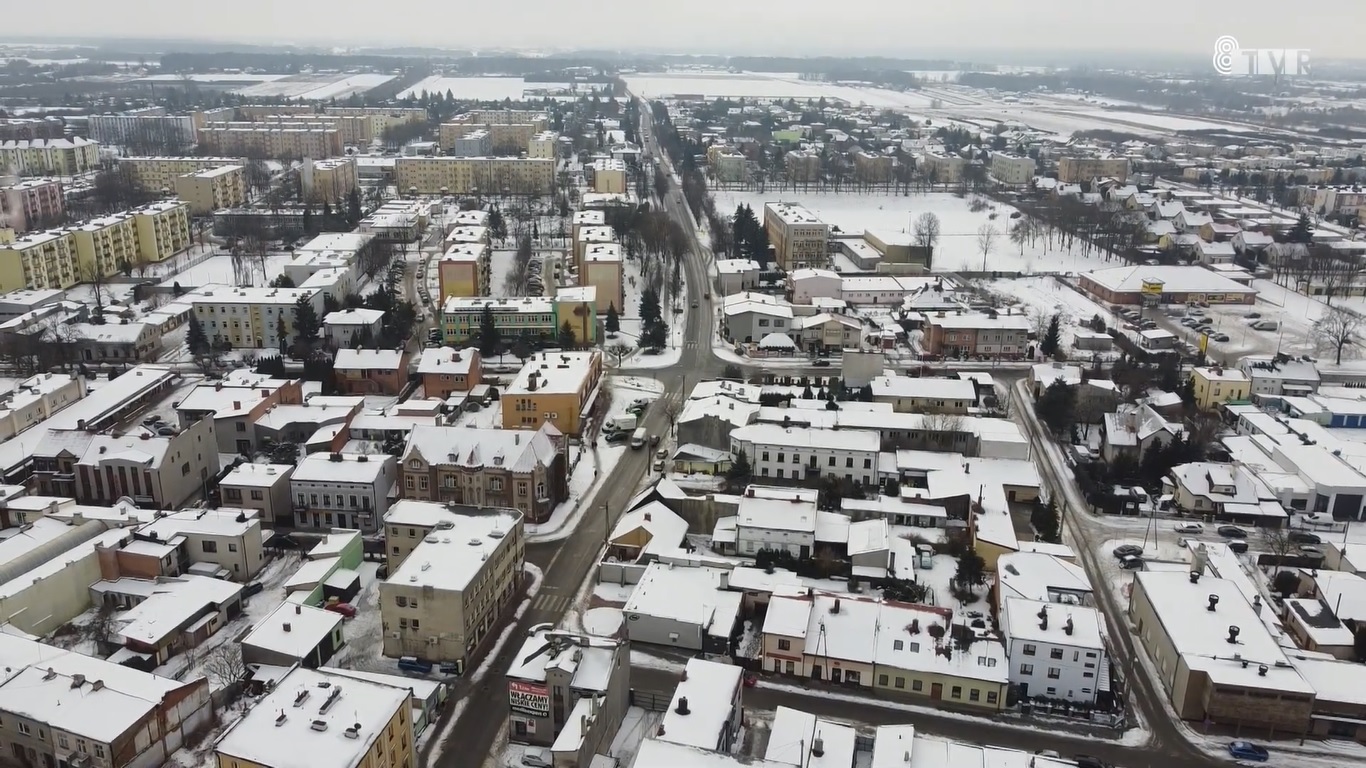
pixel 1330 28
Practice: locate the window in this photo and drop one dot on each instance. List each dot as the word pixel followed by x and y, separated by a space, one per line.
pixel 185 468
pixel 917 685
pixel 915 647
pixel 849 462
pixel 1055 653
pixel 402 622
pixel 99 750
pixel 1029 649
pixel 232 547
pixel 882 680
pixel 210 547
pixel 24 729
pixel 986 661
pixel 1054 673
pixel 414 624
pixel 496 484
pixel 784 645
pixel 957 692
pixel 974 695
pixel 1026 669
pixel 1088 674
pixel 991 697
pixel 401 601
pixel 765 455
pixel 61 741
pixel 256 495
pixel 867 463
pixel 832 461
pixel 781 458
pixel 897 645
pixel 412 603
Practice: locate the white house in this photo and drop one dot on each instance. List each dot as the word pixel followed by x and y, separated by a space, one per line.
pixel 342 490
pixel 736 275
pixel 1280 375
pixel 1055 650
pixel 788 524
pixel 345 325
pixel 786 452
pixel 806 284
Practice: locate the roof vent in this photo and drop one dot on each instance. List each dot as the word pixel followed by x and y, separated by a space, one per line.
pixel 1233 635
pixel 279 721
pixel 318 725
pixel 817 747
pixel 77 681
pixel 682 707
pixel 286 627
pixel 300 698
pixel 1195 577
pixel 1261 670
pixel 1068 626
pixel 353 732
pixel 1213 601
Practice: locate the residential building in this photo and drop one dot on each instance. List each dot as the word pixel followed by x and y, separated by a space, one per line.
pixel 210 189
pixel 486 467
pixel 250 318
pixel 1055 650
pixel 313 718
pixel 48 157
pixel 1279 375
pixel 510 131
pixel 799 453
pixel 476 143
pixel 560 388
pixel 39 260
pixel 1075 170
pixel 165 616
pixel 1227 491
pixel 445 371
pixel 1132 430
pixel 608 177
pixel 150 127
pixel 750 317
pixel 870 168
pixel 802 739
pixel 337 490
pixel 910 394
pixel 539 317
pixel 798 237
pixel 1213 655
pixel 463 270
pixel 764 521
pixel 329 181
pixel 163 230
pixel 159 173
pixel 32 204
pixel 449 595
pixel 1215 385
pixel 685 607
pixel 827 333
pixel 235 405
pixel 894 648
pixel 294 634
pixel 736 275
pixel 942 169
pixel 287 140
pixel 466 175
pixel 803 166
pixel 975 335
pixel 706 711
pixel 347 327
pixel 601 268
pixel 588 235
pixel 543 145
pixel 262 487
pixel 1012 170
pixel 34 399
pixel 371 371
pixel 229 538
pixel 556 678
pixel 726 164
pixel 64 708
pixel 106 245
pixel 163 472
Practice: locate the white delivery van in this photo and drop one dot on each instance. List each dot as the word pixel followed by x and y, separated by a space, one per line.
pixel 639 437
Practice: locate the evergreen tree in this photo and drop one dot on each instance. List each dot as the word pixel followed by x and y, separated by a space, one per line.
pixel 567 340
pixel 1049 344
pixel 353 209
pixel 498 229
pixel 282 333
pixel 739 469
pixel 1302 232
pixel 308 220
pixel 612 323
pixel 282 281
pixel 306 323
pixel 521 346
pixel 971 570
pixel 649 307
pixel 656 336
pixel 489 336
pixel 195 338
pixel 1047 524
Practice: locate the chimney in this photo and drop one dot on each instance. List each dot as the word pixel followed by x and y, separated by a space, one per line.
pixel 298 609
pixel 1233 635
pixel 725 579
pixel 648 517
pixel 1213 601
pixel 237 405
pixel 836 607
pixel 682 707
pixel 1257 604
pixel 77 681
pixel 1068 626
pixel 1195 577
pixel 97 685
pixel 817 747
pixel 1261 671
pixel 287 627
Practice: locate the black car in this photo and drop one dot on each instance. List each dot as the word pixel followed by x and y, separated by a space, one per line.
pixel 1237 546
pixel 1128 550
pixel 1086 761
pixel 821 363
pixel 1303 537
pixel 1232 532
pixel 252 588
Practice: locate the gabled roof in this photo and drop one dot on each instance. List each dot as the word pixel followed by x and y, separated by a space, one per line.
pixel 514 450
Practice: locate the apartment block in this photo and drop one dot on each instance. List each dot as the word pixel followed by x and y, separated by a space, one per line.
pixel 463 270
pixel 1013 170
pixel 803 165
pixel 587 678
pixel 150 127
pixel 974 335
pixel 106 245
pixel 314 717
pixel 35 399
pixel 227 537
pixel 1055 650
pixel 158 173
pixel 1074 170
pixel 466 175
pixel 163 229
pixel 449 595
pixel 539 317
pixel 559 388
pixel 250 318
pixel 281 140
pixel 942 169
pixel 476 143
pixel 339 490
pixel 800 453
pixel 544 146
pixel 602 269
pixel 798 237
pixel 870 168
pixel 329 181
pixel 31 204
pixel 607 177
pixel 526 471
pixel 212 188
pixel 510 131
pixel 39 260
pixel 48 157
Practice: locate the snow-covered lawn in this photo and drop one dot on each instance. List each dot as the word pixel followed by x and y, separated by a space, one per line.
pixel 218 269
pixel 631 326
pixel 602 621
pixel 957 249
pixel 477 88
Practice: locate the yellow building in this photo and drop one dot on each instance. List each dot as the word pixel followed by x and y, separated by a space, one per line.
pixel 798 237
pixel 870 168
pixel 106 246
pixel 329 181
pixel 247 317
pixel 48 157
pixel 609 177
pixel 602 268
pixel 511 131
pixel 558 387
pixel 158 173
pixel 292 139
pixel 544 145
pixel 464 270
pixel 1215 385
pixel 450 593
pixel 468 175
pixel 163 229
pixel 1074 170
pixel 312 717
pixel 802 165
pixel 212 189
pixel 39 260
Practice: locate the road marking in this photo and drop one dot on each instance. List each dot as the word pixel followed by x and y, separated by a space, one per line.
pixel 550 603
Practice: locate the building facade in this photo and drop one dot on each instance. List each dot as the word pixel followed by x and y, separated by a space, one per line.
pixel 32 204
pixel 556 388
pixel 337 490
pixel 210 189
pixel 798 237
pixel 468 175
pixel 526 471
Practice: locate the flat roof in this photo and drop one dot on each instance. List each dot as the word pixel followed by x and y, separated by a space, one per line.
pixel 555 373
pixel 1174 279
pixel 450 558
pixel 709 688
pixel 293 630
pixel 793 732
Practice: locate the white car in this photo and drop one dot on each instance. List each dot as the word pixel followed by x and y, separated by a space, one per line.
pixel 1188 528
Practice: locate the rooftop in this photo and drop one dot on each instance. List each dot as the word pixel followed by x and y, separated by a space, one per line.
pixel 349 468
pixel 446 361
pixel 514 450
pixel 294 630
pixel 803 438
pixel 368 359
pixel 258 475
pixel 1174 280
pixel 1070 625
pixel 449 558
pixel 560 373
pixel 709 688
pixel 793 736
pixel 206 522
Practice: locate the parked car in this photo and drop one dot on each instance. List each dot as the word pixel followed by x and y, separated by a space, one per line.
pixel 1319 518
pixel 821 363
pixel 1086 761
pixel 253 588
pixel 1128 550
pixel 1232 532
pixel 414 666
pixel 1131 563
pixel 1237 545
pixel 1303 537
pixel 1246 750
pixel 536 757
pixel 1188 528
pixel 1222 338
pixel 1309 550
pixel 1253 315
pixel 346 609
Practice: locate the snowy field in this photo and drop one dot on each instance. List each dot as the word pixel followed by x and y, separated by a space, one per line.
pixel 351 84
pixel 218 269
pixel 478 88
pixel 1048 296
pixel 313 86
pixel 957 249
pixel 764 85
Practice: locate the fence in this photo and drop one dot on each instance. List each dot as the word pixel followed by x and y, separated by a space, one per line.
pixel 652 701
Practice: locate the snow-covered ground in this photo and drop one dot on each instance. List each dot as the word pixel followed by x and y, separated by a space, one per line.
pixel 602 621
pixel 218 269
pixel 477 88
pixel 957 249
pixel 767 85
pixel 631 326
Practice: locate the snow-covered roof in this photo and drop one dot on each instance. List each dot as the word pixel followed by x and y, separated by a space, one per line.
pixel 792 735
pixel 452 557
pixel 1038 576
pixel 688 595
pixel 980 321
pixel 1318 622
pixel 280 734
pixel 555 373
pixel 1069 625
pixel 791 514
pixel 224 521
pixel 258 475
pixel 447 361
pixel 928 388
pixel 709 688
pixel 892 744
pixel 356 316
pixel 368 359
pixel 514 450
pixel 342 468
pixel 168 605
pixel 666 753
pixel 293 630
pixel 586 658
pixel 1045 374
pixel 808 439
pixel 666 529
pixel 1174 279
pixel 1338 682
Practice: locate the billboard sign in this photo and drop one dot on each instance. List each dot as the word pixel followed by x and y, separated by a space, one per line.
pixel 529 698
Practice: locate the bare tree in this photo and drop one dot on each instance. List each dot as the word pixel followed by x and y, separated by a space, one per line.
pixel 1277 541
pixel 620 351
pixel 986 240
pixel 223 665
pixel 1039 321
pixel 927 231
pixel 1336 331
pixel 102 628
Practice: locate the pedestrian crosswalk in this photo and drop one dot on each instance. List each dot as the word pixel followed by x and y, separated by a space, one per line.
pixel 550 603
pixel 690 345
